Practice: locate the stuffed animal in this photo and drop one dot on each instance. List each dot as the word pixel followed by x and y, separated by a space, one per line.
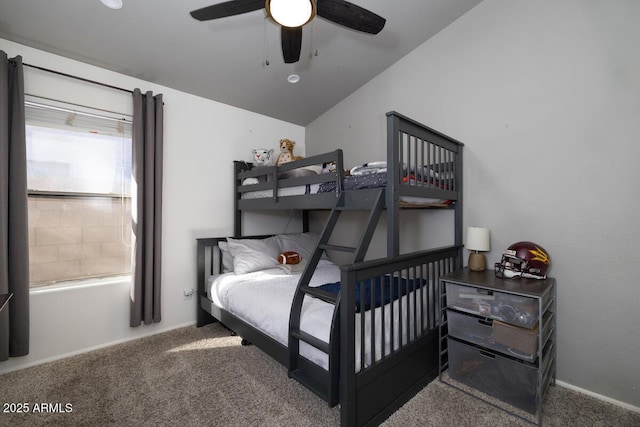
pixel 331 167
pixel 286 152
pixel 261 157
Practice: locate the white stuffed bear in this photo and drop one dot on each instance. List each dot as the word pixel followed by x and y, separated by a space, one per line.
pixel 261 157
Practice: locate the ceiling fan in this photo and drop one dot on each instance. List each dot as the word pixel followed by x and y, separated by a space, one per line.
pixel 292 15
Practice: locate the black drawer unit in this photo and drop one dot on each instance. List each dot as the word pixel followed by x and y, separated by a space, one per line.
pixel 513 309
pixel 497 336
pixel 511 380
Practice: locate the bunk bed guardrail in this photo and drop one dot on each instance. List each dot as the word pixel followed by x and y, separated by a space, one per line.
pixel 401 364
pixel 273 178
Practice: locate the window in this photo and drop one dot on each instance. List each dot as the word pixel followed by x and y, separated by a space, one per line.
pixel 79 183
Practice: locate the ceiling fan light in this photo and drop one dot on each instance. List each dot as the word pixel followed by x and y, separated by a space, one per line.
pixel 291 13
pixel 112 4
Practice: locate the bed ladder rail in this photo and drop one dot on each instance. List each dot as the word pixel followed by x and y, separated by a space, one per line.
pixel 326 383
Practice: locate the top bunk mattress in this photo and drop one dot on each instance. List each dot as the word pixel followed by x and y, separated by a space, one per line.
pixel 366 176
pixel 300 190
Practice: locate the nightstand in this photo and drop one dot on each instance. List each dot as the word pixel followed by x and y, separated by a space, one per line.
pixel 498 336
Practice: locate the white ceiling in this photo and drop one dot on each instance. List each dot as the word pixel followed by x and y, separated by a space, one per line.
pixel 224 60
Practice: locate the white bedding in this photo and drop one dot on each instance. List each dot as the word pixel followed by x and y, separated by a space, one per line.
pixel 287 191
pixel 313 189
pixel 263 299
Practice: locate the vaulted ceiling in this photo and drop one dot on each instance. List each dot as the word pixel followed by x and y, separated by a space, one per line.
pixel 225 59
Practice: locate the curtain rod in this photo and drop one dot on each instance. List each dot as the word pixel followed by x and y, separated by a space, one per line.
pixel 77 78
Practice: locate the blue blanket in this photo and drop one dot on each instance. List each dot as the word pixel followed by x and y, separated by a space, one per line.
pixel 384 291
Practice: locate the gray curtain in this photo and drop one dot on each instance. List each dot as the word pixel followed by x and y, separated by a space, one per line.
pixel 14 239
pixel 148 124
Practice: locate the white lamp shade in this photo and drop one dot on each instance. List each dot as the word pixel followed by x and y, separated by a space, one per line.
pixel 291 13
pixel 478 239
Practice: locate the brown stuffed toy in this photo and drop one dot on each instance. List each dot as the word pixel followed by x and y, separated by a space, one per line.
pixel 286 152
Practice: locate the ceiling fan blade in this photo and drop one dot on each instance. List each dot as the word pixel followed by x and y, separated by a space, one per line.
pixel 291 44
pixel 350 15
pixel 229 8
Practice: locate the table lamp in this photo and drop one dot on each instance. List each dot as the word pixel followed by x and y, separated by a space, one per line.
pixel 478 241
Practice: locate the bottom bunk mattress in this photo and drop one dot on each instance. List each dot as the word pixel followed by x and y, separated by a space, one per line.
pixel 263 300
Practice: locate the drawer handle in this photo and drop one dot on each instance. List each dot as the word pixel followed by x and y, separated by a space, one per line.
pixel 488 355
pixel 485 322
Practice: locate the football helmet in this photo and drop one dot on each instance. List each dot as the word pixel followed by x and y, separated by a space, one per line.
pixel 524 259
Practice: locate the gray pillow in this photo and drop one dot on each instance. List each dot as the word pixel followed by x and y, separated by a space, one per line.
pixel 302 243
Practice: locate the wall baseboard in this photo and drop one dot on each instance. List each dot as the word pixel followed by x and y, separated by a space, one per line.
pixel 619 403
pixel 90 349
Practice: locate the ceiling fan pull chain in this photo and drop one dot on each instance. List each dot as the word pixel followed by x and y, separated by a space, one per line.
pixel 314 38
pixel 266 42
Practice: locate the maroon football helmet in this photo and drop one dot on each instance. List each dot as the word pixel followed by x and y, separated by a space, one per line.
pixel 524 259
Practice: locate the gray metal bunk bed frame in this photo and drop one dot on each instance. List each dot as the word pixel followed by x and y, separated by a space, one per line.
pixel 367 392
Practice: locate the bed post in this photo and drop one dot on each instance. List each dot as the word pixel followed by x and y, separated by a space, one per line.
pixel 392 194
pixel 203 260
pixel 305 221
pixel 348 389
pixel 458 210
pixel 238 166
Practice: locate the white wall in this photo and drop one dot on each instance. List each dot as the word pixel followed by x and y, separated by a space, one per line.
pixel 546 97
pixel 201 140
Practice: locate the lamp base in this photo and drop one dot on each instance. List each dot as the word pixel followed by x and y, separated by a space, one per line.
pixel 477 261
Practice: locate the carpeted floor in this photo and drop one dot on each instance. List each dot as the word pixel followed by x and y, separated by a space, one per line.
pixel 204 377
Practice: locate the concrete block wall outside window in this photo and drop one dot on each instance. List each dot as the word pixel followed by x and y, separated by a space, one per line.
pixel 73 238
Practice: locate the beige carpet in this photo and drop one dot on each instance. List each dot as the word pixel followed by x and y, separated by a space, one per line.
pixel 204 377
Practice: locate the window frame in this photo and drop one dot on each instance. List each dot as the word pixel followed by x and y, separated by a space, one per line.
pixel 121 120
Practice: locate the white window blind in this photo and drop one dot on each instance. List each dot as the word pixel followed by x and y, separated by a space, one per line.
pixel 73 149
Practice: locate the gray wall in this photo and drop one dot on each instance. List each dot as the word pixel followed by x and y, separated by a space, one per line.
pixel 546 96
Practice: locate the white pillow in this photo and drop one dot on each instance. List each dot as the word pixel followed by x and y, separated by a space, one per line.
pixel 302 243
pixel 253 254
pixel 227 258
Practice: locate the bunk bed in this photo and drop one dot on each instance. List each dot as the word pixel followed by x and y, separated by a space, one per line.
pixel 363 335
